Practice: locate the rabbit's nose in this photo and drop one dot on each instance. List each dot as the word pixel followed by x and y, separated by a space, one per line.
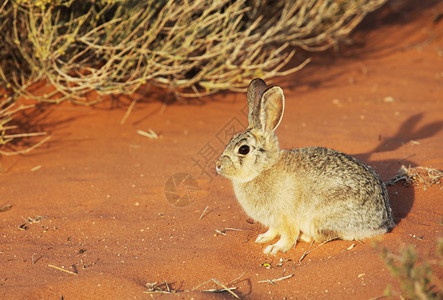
pixel 218 166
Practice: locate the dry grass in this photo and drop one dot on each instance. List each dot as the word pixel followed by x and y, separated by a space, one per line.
pixel 193 48
pixel 417 176
pixel 190 48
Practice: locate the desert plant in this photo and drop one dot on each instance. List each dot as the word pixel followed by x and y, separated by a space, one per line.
pixel 191 48
pixel 417 176
pixel 416 279
pixel 195 46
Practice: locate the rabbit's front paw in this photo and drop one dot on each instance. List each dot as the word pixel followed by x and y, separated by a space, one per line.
pixel 267 236
pixel 283 245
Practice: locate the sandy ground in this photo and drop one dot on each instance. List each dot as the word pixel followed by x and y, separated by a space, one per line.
pixel 106 203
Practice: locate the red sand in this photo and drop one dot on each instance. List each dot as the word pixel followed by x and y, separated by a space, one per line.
pixel 105 217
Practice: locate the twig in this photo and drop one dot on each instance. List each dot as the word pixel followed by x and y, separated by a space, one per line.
pixel 223 232
pixel 21 135
pixel 128 111
pixel 237 278
pixel 233 229
pixel 416 237
pixel 220 232
pixel 307 252
pixel 30 221
pixel 167 286
pixel 34 261
pixel 272 281
pixel 222 290
pixel 351 247
pixel 150 134
pixel 203 213
pixel 36 168
pixel 61 269
pixel 154 288
pixel 225 288
pixel 27 150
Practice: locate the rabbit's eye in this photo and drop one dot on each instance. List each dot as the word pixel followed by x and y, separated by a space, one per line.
pixel 243 150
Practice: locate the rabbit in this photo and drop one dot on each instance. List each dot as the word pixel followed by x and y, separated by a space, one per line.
pixel 308 194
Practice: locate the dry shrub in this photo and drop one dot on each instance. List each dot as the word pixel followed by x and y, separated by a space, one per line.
pixel 417 278
pixel 417 176
pixel 201 45
pixel 192 48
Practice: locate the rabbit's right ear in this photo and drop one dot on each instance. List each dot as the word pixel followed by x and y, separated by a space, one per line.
pixel 255 91
pixel 271 108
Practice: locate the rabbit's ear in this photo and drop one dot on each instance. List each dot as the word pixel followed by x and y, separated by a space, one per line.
pixel 271 108
pixel 255 91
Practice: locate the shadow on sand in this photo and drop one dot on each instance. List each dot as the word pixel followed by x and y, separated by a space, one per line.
pixel 401 202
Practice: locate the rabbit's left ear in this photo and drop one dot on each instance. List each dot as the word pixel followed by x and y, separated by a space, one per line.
pixel 255 92
pixel 271 108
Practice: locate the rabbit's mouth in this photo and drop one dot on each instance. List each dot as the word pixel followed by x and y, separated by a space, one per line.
pixel 228 168
pixel 225 167
pixel 220 165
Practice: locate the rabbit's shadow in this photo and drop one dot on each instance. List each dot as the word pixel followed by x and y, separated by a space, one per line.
pixel 409 130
